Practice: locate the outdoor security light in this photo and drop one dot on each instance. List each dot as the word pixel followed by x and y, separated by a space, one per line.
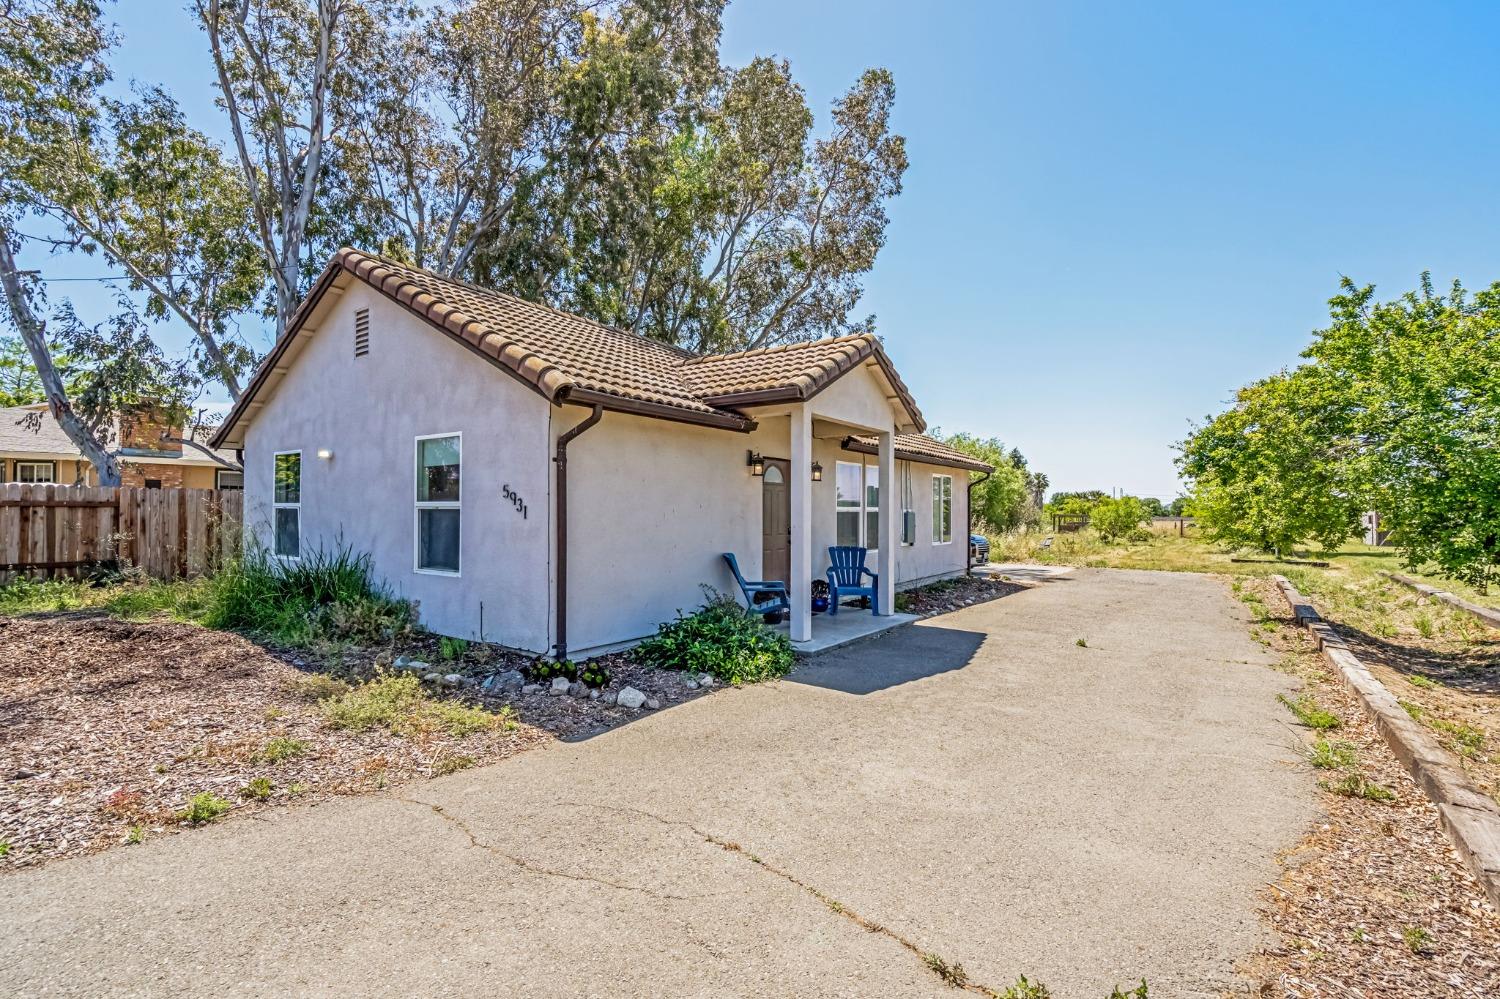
pixel 756 462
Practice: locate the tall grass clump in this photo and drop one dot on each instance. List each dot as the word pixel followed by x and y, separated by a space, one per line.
pixel 327 594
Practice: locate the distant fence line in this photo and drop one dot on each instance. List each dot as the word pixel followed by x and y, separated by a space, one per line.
pixel 48 531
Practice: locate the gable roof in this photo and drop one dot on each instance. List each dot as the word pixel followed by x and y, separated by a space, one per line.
pixel 568 358
pixel 920 448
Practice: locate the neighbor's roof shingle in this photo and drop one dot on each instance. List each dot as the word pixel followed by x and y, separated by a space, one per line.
pixel 48 437
pixel 569 357
pixel 921 448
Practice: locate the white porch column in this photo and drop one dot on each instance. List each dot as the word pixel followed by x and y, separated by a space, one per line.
pixel 890 532
pixel 799 587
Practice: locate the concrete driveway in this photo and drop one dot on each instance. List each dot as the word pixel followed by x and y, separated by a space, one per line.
pixel 978 785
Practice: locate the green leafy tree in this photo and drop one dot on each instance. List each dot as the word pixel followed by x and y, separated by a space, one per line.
pixel 1270 473
pixel 19 384
pixel 51 67
pixel 1118 518
pixel 158 200
pixel 1417 406
pixel 292 76
pixel 1002 502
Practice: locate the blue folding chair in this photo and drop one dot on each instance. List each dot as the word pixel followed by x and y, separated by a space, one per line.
pixel 751 588
pixel 845 576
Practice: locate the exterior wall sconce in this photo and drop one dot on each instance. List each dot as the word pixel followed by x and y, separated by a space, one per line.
pixel 756 463
pixel 817 470
pixel 325 454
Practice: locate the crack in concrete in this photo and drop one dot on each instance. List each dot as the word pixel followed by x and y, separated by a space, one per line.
pixel 951 973
pixel 529 866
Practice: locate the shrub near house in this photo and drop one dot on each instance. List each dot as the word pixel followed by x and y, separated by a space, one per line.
pixel 722 639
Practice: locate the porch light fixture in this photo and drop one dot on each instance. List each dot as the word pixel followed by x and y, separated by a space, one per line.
pixel 756 462
pixel 817 470
pixel 325 454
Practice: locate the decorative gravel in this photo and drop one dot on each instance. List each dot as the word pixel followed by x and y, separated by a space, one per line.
pixel 954 594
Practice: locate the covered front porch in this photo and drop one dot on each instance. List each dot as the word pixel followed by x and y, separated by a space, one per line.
pixel 797 532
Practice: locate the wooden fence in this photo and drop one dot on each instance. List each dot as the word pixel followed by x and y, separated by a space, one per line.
pixel 48 531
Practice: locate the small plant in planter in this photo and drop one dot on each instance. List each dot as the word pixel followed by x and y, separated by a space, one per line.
pixel 594 674
pixel 452 648
pixel 819 596
pixel 545 670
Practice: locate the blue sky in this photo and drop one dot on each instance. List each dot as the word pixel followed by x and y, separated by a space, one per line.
pixel 1116 213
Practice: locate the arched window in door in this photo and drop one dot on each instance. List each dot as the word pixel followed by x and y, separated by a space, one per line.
pixel 773 475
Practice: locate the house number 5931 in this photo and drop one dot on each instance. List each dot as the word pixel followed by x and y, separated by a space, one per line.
pixel 514 498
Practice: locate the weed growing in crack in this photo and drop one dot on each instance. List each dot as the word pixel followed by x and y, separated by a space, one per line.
pixel 954 974
pixel 1082 643
pixel 1024 989
pixel 1139 992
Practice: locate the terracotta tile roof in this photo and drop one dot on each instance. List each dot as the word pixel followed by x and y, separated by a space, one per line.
pixel 569 358
pixel 921 448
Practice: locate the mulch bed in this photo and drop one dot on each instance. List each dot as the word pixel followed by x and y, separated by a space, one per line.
pixel 955 594
pixel 1373 902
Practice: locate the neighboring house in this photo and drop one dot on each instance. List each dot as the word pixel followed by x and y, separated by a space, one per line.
pixel 539 480
pixel 33 448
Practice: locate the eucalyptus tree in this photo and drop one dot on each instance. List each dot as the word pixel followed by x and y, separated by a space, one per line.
pixel 292 76
pixel 51 66
pixel 158 200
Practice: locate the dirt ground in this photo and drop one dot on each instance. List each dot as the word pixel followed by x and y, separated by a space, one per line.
pixel 1373 902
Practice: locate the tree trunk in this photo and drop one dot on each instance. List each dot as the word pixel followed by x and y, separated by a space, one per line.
pixel 34 335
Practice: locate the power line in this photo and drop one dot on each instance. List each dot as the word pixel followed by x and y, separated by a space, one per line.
pixel 109 277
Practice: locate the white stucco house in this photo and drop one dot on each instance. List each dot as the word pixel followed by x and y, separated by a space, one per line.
pixel 538 480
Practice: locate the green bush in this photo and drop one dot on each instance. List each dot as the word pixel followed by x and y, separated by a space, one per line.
pixel 1118 518
pixel 721 639
pixel 326 594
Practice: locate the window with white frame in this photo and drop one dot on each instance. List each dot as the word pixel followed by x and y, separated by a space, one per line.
pixel 438 461
pixel 942 509
pixel 286 501
pixel 225 479
pixel 857 504
pixel 36 471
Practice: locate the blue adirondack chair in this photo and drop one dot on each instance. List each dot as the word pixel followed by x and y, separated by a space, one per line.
pixel 845 575
pixel 751 588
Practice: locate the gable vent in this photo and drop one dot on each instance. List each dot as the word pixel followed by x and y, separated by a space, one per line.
pixel 361 332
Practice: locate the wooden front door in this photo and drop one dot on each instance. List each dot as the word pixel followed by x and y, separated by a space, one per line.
pixel 776 522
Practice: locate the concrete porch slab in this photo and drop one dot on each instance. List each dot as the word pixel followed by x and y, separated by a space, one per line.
pixel 849 625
